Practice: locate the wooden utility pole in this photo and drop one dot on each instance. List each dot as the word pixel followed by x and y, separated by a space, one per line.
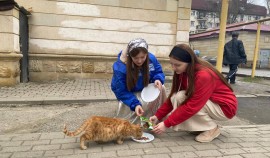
pixel 221 39
pixel 256 49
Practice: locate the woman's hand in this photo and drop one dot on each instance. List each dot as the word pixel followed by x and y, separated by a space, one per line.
pixel 153 119
pixel 139 110
pixel 158 84
pixel 159 128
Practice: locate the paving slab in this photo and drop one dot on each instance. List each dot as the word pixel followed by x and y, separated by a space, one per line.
pixel 169 144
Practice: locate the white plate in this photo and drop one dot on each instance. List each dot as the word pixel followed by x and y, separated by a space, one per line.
pixel 150 93
pixel 148 135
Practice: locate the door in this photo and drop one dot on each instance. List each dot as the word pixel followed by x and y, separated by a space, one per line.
pixel 24 46
pixel 264 58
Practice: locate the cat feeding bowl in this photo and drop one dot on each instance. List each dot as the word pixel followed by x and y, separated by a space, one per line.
pixel 150 93
pixel 146 137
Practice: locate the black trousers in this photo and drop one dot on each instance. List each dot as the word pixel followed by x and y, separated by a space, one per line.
pixel 232 73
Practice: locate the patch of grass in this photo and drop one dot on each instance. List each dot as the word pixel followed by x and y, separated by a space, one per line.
pixel 250 79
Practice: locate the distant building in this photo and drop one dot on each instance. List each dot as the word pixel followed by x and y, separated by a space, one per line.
pixel 207 43
pixel 205 14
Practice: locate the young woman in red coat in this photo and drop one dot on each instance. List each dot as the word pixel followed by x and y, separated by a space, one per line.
pixel 199 96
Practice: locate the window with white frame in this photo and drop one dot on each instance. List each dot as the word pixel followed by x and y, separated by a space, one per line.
pixel 193 12
pixel 242 18
pixel 192 23
pixel 209 24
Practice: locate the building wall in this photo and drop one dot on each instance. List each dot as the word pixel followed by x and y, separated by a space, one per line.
pixel 211 20
pixel 9 48
pixel 209 46
pixel 81 39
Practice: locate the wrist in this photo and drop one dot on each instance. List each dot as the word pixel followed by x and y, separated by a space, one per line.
pixel 137 106
pixel 133 106
pixel 167 124
pixel 157 80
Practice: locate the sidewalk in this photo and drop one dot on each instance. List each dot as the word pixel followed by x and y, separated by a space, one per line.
pixel 81 90
pixel 247 72
pixel 88 90
pixel 85 90
pixel 234 142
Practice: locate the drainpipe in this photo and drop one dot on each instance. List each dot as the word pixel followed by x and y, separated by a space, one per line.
pixel 256 49
pixel 224 12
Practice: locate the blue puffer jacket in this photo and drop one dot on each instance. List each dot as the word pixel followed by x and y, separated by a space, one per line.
pixel 118 83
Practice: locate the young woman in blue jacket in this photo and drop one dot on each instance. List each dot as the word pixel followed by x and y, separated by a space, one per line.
pixel 134 69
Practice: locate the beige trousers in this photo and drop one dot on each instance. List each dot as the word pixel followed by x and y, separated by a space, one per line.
pixel 149 108
pixel 202 120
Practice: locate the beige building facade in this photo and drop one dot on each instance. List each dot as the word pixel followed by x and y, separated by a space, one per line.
pixel 9 48
pixel 71 39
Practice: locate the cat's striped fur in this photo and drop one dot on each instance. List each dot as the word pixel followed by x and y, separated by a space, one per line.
pixel 104 129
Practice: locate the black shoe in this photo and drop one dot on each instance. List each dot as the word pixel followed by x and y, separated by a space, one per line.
pixel 232 82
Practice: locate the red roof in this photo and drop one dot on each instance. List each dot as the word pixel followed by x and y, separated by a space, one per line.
pixel 250 27
pixel 213 5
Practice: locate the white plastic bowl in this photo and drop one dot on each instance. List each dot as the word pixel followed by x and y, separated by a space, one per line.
pixel 150 93
pixel 149 137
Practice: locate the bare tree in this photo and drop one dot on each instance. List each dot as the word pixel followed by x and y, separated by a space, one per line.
pixel 236 8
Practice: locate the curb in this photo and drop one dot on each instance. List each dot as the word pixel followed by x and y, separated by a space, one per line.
pixel 52 101
pixel 251 95
pixel 245 75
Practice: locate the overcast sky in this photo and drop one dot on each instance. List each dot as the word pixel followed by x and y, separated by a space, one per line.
pixel 259 2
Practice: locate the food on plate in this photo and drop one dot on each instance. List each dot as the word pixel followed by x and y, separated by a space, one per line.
pixel 146 123
pixel 143 138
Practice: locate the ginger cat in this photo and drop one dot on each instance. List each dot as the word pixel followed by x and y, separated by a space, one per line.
pixel 104 129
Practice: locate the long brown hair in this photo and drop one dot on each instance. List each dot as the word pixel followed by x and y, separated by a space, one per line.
pixel 133 70
pixel 191 70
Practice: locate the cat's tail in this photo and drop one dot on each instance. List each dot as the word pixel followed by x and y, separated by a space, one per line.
pixel 76 132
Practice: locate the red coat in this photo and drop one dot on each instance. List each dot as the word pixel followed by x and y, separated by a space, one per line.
pixel 208 86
